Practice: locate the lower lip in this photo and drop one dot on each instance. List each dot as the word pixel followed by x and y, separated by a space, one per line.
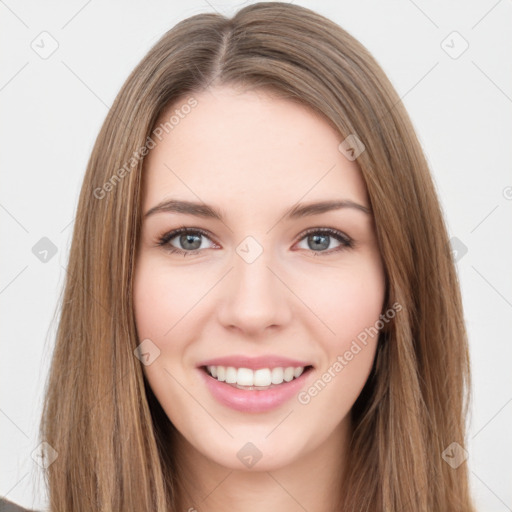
pixel 254 400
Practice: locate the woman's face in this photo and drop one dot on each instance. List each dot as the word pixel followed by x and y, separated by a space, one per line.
pixel 265 283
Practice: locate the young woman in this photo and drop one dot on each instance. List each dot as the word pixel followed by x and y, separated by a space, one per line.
pixel 262 311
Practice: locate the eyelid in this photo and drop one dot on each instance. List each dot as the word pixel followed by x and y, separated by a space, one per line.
pixel 164 239
pixel 335 233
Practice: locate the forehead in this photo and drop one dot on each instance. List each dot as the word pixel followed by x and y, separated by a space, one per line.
pixel 248 148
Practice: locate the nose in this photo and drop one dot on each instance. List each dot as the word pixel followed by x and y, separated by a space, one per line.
pixel 254 297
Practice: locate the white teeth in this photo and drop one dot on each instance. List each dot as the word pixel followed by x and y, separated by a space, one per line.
pixel 231 375
pixel 245 377
pixel 277 375
pixel 262 377
pixel 221 373
pixel 298 371
pixel 288 374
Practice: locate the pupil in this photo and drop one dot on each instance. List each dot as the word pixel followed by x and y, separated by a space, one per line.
pixel 185 239
pixel 317 240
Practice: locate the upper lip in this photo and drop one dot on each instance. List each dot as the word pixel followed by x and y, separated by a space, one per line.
pixel 254 363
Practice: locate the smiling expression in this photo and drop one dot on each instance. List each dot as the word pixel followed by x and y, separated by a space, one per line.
pixel 260 282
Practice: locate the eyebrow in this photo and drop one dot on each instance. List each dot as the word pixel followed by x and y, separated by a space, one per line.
pixel 296 212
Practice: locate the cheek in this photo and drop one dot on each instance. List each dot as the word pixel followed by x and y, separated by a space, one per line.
pixel 160 299
pixel 351 309
pixel 163 297
pixel 358 305
pixel 352 313
pixel 348 300
pixel 158 306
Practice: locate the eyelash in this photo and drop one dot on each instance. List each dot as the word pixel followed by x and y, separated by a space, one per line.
pixel 347 242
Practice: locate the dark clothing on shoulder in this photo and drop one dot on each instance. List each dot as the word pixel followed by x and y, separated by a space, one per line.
pixel 8 506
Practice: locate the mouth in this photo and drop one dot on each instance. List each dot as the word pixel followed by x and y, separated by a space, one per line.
pixel 259 379
pixel 257 389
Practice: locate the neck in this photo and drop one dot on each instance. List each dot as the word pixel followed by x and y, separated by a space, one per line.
pixel 311 482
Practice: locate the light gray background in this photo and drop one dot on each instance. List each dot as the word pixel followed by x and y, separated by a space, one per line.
pixel 52 110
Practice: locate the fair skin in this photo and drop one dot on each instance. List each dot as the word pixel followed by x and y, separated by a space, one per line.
pixel 253 156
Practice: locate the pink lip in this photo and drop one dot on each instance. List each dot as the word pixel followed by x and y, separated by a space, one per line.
pixel 254 363
pixel 254 401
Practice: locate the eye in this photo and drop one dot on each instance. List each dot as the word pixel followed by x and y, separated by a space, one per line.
pixel 189 240
pixel 319 239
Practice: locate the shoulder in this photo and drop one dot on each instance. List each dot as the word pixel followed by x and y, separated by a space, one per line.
pixel 8 506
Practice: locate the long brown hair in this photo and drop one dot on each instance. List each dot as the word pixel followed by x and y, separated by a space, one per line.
pixel 100 415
